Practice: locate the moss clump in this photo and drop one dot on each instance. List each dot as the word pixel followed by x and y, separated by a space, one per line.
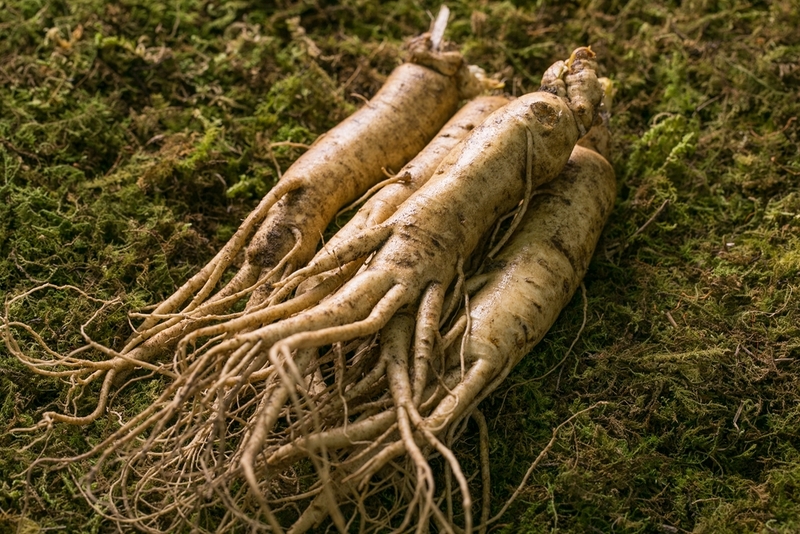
pixel 135 136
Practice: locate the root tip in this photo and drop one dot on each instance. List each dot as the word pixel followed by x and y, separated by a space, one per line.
pixel 582 53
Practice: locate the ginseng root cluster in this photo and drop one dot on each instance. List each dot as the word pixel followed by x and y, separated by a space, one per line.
pixel 319 385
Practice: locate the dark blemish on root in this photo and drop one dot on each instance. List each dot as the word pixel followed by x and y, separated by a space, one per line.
pixel 407 262
pixel 545 114
pixel 495 265
pixel 525 330
pixel 559 245
pixel 294 197
pixel 534 282
pixel 267 252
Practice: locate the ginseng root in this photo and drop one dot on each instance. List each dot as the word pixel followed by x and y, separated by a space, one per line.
pixel 339 167
pixel 513 304
pixel 282 233
pixel 217 422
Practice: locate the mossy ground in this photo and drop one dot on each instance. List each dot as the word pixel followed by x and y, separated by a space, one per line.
pixel 134 136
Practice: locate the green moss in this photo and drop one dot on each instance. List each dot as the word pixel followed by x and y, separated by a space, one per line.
pixel 135 136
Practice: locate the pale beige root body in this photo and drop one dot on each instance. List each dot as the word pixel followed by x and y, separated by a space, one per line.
pixel 339 167
pixel 516 300
pixel 517 148
pixel 419 248
pixel 532 279
pixel 238 386
pixel 378 207
pixel 418 252
pixel 381 205
pixel 282 233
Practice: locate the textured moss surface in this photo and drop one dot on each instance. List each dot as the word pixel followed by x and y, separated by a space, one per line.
pixel 134 136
